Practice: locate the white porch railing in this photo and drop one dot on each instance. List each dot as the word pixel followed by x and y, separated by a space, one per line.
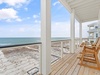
pixel 26 59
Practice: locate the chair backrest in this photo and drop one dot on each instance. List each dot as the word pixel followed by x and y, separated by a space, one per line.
pixel 84 43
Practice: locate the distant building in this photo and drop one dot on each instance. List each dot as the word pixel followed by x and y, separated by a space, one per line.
pixel 94 31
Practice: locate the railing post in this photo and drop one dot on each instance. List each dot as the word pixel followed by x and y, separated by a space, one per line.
pixel 77 44
pixel 61 49
pixel 70 46
pixel 40 57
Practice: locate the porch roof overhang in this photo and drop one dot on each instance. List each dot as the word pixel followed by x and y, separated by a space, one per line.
pixel 85 10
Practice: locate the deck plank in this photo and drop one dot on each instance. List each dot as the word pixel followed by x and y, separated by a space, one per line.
pixel 76 70
pixel 73 68
pixel 64 67
pixel 53 66
pixel 81 71
pixel 69 66
pixel 92 71
pixel 97 72
pixel 58 67
pixel 86 71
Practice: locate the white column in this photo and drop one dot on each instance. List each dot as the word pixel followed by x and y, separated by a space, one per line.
pixel 80 32
pixel 46 36
pixel 72 31
pixel 99 21
pixel 99 26
pixel 40 57
pixel 99 15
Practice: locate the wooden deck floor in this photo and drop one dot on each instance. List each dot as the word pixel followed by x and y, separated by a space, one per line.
pixel 68 65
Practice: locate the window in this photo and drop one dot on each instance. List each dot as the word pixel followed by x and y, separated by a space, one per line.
pixel 96 35
pixel 96 27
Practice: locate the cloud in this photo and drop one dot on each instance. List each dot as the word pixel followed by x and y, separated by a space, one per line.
pixel 26 9
pixel 8 20
pixel 37 21
pixel 14 3
pixel 22 30
pixel 18 19
pixel 56 3
pixel 60 29
pixel 28 18
pixel 9 14
pixel 35 16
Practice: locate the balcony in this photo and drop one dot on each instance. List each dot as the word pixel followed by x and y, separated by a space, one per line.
pixel 61 59
pixel 92 30
pixel 26 59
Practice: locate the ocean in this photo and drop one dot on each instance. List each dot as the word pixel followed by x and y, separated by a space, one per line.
pixel 16 41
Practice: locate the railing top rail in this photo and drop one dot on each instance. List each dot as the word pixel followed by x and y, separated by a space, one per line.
pixel 60 40
pixel 19 45
pixel 29 44
pixel 8 46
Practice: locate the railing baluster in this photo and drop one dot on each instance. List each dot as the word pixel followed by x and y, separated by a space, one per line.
pixel 77 44
pixel 70 46
pixel 61 49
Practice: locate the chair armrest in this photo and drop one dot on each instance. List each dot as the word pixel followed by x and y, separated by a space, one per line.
pixel 90 47
pixel 82 44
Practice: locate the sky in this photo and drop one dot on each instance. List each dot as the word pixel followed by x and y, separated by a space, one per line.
pixel 21 18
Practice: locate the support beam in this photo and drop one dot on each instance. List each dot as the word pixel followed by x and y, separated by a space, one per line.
pixel 80 32
pixel 46 36
pixel 72 31
pixel 99 15
pixel 83 3
pixel 89 19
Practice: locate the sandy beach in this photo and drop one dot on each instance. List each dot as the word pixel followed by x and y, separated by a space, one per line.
pixel 21 60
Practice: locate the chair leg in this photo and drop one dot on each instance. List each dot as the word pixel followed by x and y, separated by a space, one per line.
pixel 97 60
pixel 82 58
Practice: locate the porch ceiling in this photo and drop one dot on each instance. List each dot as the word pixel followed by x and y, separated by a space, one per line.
pixel 85 10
